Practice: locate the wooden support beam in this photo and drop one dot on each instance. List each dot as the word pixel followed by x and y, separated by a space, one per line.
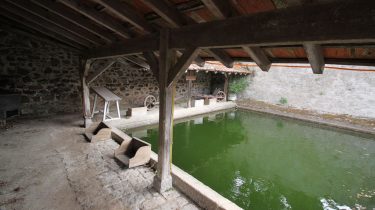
pixel 221 9
pixel 318 24
pixel 167 12
pixel 126 12
pixel 51 34
pixel 85 67
pixel 321 23
pixel 98 17
pixel 137 61
pixel 182 65
pixel 43 23
pixel 100 71
pixel 153 63
pixel 163 178
pixel 76 18
pixel 57 20
pixel 226 85
pixel 315 56
pixel 222 56
pixel 259 57
pixel 190 85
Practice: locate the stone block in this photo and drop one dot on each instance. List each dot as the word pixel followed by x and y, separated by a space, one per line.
pixel 137 111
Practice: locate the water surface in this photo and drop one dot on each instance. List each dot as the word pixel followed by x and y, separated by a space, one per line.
pixel 263 162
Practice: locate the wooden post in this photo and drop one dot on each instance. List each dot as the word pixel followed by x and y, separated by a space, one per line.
pixel 226 86
pixel 163 178
pixel 86 93
pixel 190 84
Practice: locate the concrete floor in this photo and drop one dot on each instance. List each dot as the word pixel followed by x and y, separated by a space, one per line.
pixel 47 164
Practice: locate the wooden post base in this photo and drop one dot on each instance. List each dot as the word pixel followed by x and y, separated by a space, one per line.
pixel 162 185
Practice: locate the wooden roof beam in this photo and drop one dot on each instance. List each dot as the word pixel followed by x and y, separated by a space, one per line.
pixel 315 56
pixel 137 61
pixel 76 18
pixel 38 28
pixel 153 63
pixel 318 24
pixel 167 12
pixel 97 17
pixel 259 57
pixel 127 13
pixel 182 65
pixel 222 56
pixel 57 20
pixel 43 23
pixel 221 9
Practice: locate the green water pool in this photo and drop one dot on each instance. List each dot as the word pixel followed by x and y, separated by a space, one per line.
pixel 263 162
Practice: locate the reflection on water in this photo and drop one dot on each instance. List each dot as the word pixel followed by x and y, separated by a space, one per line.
pixel 260 162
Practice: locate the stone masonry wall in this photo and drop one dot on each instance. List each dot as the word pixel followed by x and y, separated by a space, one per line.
pixel 334 91
pixel 133 84
pixel 47 77
pixel 45 74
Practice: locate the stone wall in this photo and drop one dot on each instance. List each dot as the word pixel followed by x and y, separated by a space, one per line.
pixel 47 77
pixel 133 84
pixel 45 74
pixel 335 91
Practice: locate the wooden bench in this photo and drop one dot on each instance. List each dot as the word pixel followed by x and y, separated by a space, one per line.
pixel 108 97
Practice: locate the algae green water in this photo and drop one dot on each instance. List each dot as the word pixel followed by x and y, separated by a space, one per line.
pixel 260 162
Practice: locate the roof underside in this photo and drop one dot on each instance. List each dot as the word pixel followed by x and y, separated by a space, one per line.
pixel 96 24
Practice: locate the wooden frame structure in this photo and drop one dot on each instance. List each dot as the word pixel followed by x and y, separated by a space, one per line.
pixel 168 37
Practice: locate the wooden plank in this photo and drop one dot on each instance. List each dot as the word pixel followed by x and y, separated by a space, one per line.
pixel 190 84
pixel 106 94
pixel 163 178
pixel 259 57
pixel 128 13
pixel 57 20
pixel 44 31
pixel 153 63
pixel 167 12
pixel 76 18
pixel 137 61
pixel 315 56
pixel 100 71
pixel 322 23
pixel 222 56
pixel 221 9
pixel 44 24
pixel 182 65
pixel 96 16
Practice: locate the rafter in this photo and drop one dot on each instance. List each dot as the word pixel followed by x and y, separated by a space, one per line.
pixel 127 13
pixel 100 71
pixel 182 65
pixel 167 12
pixel 315 56
pixel 259 57
pixel 222 56
pixel 221 9
pixel 97 17
pixel 38 28
pixel 43 23
pixel 76 18
pixel 153 63
pixel 137 61
pixel 57 20
pixel 318 24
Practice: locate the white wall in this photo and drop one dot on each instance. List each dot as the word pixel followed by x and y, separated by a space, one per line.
pixel 335 91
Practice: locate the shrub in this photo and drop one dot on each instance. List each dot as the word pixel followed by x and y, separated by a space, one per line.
pixel 237 85
pixel 283 101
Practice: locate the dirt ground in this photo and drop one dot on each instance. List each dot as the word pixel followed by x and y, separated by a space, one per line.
pixel 46 163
